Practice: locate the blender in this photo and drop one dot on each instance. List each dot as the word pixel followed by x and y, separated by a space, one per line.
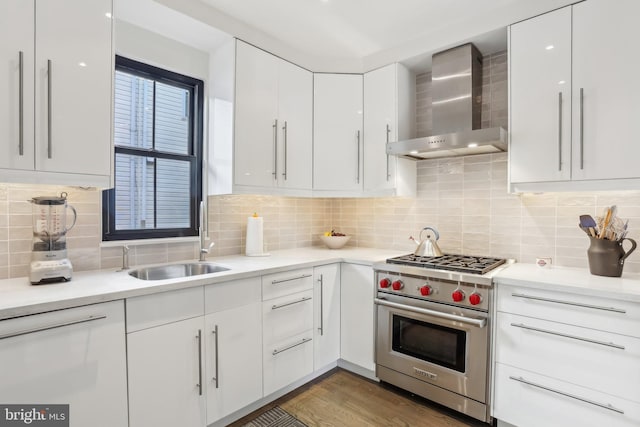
pixel 49 262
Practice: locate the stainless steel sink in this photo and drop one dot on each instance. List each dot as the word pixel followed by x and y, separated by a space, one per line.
pixel 176 271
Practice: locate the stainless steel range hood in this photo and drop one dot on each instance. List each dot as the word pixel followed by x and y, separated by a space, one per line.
pixel 456 88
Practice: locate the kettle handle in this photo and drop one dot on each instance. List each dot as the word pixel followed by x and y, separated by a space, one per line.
pixel 627 253
pixel 438 235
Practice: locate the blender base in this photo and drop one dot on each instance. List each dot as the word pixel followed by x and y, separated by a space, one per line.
pixel 42 272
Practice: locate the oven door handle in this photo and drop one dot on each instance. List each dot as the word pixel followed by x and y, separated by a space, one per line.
pixel 480 323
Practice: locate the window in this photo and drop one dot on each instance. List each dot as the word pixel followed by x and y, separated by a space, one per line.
pixel 158 154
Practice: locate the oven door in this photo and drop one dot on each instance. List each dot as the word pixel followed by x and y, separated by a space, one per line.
pixel 443 345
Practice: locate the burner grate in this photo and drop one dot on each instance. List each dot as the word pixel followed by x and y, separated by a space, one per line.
pixel 452 262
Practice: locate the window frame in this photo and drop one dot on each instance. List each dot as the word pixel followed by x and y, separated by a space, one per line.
pixel 196 113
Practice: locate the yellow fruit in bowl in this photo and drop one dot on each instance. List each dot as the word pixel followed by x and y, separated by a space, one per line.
pixel 327 233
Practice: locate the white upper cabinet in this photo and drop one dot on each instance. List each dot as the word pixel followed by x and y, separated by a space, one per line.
pixel 540 119
pixel 16 84
pixel 389 105
pixel 605 90
pixel 272 142
pixel 57 117
pixel 572 103
pixel 338 134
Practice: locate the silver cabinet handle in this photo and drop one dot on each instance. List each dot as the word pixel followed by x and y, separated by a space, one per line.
pixel 573 337
pixel 304 276
pixel 284 140
pixel 21 104
pixel 358 158
pixel 275 150
pixel 278 306
pixel 217 377
pixel 289 347
pixel 577 304
pixel 572 396
pixel 321 328
pixel 199 338
pixel 49 143
pixel 581 128
pixel 52 326
pixel 480 323
pixel 388 172
pixel 559 131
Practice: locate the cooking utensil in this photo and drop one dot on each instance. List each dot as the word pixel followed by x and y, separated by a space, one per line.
pixel 605 223
pixel 589 223
pixel 427 247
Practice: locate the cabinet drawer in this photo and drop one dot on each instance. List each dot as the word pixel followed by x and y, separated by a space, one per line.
pixel 287 361
pixel 543 401
pixel 288 282
pixel 287 316
pixel 164 307
pixel 600 360
pixel 233 294
pixel 617 316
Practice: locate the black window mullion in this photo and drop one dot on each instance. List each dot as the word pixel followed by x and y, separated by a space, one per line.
pixel 155 159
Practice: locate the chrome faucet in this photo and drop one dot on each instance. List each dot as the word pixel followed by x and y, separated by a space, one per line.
pixel 204 250
pixel 125 258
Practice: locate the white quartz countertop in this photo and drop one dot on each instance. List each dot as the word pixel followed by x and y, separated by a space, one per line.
pixel 573 280
pixel 18 297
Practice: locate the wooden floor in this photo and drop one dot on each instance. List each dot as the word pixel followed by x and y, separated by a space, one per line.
pixel 341 398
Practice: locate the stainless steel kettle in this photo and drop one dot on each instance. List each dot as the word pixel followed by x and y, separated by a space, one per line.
pixel 428 246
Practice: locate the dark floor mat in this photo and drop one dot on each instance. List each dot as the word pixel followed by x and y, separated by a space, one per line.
pixel 276 417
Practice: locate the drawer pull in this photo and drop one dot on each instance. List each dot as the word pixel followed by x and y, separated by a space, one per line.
pixel 199 338
pixel 217 377
pixel 557 301
pixel 573 337
pixel 54 326
pixel 286 304
pixel 289 347
pixel 304 276
pixel 572 396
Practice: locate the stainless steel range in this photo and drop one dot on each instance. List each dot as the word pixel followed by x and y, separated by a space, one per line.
pixel 434 328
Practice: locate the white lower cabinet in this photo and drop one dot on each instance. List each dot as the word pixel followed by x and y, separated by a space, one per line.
pixel 357 315
pixel 233 346
pixel 326 297
pixel 165 360
pixel 75 356
pixel 565 359
pixel 287 321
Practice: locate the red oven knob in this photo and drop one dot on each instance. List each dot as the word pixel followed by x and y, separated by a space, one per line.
pixel 457 295
pixel 397 285
pixel 385 283
pixel 426 290
pixel 475 298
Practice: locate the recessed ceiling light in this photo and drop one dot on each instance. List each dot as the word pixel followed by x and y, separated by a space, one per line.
pixel 561 82
pixel 472 145
pixel 108 14
pixel 413 152
pixel 82 64
pixel 549 47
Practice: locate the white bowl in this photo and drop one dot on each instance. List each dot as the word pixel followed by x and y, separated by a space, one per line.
pixel 334 242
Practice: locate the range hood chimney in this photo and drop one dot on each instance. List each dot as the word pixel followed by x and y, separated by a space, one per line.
pixel 456 86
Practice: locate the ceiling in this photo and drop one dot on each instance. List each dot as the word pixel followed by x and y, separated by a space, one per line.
pixel 345 35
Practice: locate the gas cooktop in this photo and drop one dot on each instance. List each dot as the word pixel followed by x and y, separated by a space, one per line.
pixel 461 263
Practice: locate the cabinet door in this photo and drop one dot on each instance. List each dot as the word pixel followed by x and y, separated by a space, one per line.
pixel 233 360
pixel 295 147
pixel 75 356
pixel 605 88
pixel 256 130
pixel 165 370
pixel 540 101
pixel 380 127
pixel 73 75
pixel 16 84
pixel 326 340
pixel 337 132
pixel 357 315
